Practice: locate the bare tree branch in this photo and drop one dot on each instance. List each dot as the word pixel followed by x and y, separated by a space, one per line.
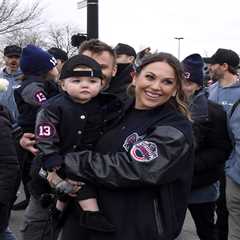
pixel 14 17
pixel 60 37
pixel 22 38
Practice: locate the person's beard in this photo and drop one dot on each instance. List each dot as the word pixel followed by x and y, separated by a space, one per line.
pixel 216 76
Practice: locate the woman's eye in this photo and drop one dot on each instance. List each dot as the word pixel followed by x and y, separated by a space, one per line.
pixel 168 81
pixel 150 77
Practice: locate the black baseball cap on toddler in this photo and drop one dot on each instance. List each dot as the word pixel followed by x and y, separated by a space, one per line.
pixel 71 67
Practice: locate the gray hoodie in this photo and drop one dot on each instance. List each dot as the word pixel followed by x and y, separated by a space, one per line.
pixel 227 96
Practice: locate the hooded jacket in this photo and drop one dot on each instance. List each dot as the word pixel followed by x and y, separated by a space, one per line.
pixel 227 96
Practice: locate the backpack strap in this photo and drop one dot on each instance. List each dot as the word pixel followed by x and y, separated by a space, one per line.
pixel 234 107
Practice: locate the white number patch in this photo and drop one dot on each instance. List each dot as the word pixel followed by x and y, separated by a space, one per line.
pixel 45 130
pixel 40 97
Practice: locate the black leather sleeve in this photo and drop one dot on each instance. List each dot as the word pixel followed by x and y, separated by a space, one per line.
pixel 34 94
pixel 167 159
pixel 47 137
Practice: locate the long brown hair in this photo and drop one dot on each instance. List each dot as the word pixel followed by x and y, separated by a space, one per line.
pixel 179 100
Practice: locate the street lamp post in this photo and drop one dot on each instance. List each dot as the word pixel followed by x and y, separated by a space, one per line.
pixel 92 19
pixel 179 45
pixel 92 16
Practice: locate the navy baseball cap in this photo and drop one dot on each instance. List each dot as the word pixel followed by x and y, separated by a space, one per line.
pixel 71 67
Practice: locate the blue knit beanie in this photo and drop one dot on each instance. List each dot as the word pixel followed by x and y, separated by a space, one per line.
pixel 193 68
pixel 35 61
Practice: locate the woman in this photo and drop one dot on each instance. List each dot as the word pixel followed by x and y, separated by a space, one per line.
pixel 211 150
pixel 143 164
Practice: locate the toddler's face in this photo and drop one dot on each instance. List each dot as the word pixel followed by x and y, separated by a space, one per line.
pixel 82 89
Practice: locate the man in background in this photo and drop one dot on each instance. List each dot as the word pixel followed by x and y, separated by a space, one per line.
pixel 125 57
pixel 226 91
pixel 12 73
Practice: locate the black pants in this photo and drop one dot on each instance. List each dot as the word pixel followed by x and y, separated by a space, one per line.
pixel 203 217
pixel 71 229
pixel 4 216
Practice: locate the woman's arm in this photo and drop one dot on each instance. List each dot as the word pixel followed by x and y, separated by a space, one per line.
pixel 161 157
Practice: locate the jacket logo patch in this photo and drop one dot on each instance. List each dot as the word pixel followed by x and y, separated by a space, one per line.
pixel 40 97
pixel 45 130
pixel 130 140
pixel 144 151
pixel 187 75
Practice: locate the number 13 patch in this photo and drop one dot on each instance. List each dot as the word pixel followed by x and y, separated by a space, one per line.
pixel 144 151
pixel 45 130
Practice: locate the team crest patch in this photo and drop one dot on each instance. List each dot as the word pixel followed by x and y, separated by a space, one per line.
pixel 130 140
pixel 144 151
pixel 45 130
pixel 40 97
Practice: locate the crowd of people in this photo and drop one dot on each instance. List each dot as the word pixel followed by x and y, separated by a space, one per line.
pixel 114 144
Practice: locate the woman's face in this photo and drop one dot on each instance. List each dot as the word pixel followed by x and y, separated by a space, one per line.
pixel 154 85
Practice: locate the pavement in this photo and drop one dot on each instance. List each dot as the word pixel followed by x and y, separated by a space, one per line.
pixel 188 232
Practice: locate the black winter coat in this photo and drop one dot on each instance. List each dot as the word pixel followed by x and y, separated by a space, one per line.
pixel 9 166
pixel 213 145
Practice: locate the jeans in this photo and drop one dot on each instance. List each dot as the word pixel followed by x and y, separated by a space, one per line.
pixel 7 235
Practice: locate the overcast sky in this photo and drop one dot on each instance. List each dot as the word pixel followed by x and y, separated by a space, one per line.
pixel 205 25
